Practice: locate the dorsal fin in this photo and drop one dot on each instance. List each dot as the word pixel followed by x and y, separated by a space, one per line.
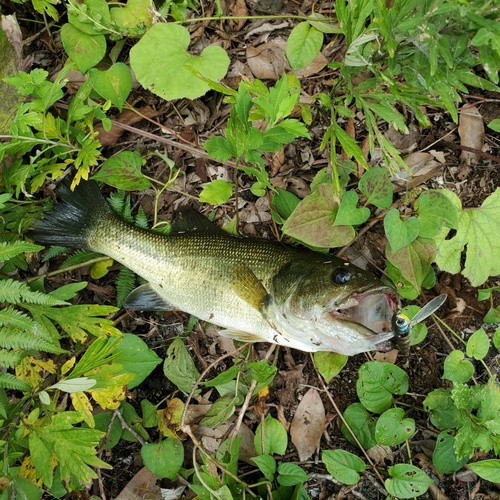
pixel 188 220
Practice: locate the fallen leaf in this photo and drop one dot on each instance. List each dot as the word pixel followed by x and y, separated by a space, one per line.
pixel 238 8
pixel 308 424
pixel 422 165
pixel 381 454
pixel 142 485
pixel 471 131
pixel 389 357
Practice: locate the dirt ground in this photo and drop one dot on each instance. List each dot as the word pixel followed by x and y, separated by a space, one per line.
pixel 194 122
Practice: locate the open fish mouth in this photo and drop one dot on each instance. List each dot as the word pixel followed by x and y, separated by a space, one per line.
pixel 373 309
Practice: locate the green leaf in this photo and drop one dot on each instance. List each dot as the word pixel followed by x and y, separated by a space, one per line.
pixel 376 185
pixel 216 192
pixel 377 382
pixel 134 13
pixel 179 367
pixel 82 14
pixel 275 438
pixel 267 465
pixel 329 364
pixel 312 221
pixel 69 291
pixel 343 466
pixel 85 50
pixel 456 368
pixel 9 381
pixel 487 469
pixel 74 385
pixel 113 84
pixel 477 229
pixel 495 125
pixel 10 250
pixel 219 412
pixel 291 474
pixel 164 459
pixel 443 457
pixel 169 71
pixel 362 425
pixel 407 481
pixel 123 171
pixel 136 357
pixel 435 210
pixel 418 331
pixel 478 344
pixel 392 428
pixel 400 233
pixel 303 45
pixel 283 204
pixel 219 148
pixel 349 214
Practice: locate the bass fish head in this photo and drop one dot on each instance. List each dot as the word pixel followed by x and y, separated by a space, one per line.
pixel 331 305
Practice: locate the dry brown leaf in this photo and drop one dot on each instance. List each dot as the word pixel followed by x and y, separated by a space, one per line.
pixel 238 8
pixel 313 68
pixel 142 485
pixel 389 357
pixel 471 131
pixel 423 167
pixel 308 424
pixel 381 454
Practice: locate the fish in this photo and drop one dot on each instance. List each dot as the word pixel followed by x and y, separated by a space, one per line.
pixel 252 289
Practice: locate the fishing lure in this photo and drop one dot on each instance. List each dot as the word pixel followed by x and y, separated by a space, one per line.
pixel 402 325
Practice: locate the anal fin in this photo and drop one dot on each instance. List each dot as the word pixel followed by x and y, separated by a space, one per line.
pixel 144 298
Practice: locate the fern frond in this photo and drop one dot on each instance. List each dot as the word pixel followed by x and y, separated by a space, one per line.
pixel 54 251
pixel 141 220
pixel 16 292
pixel 117 201
pixel 15 319
pixel 126 211
pixel 19 339
pixel 10 359
pixel 8 381
pixel 78 257
pixel 125 283
pixel 10 250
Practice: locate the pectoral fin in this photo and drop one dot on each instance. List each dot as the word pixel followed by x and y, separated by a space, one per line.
pixel 144 298
pixel 248 287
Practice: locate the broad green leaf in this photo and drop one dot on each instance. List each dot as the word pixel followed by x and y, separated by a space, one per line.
pixel 400 233
pixel 377 382
pixel 284 203
pixel 392 428
pixel 376 185
pixel 404 287
pixel 85 50
pixel 343 466
pixel 275 438
pixel 267 465
pixel 219 148
pixel 312 221
pixel 477 229
pixel 216 192
pixel 164 459
pixel 113 84
pixel 495 125
pixel 407 481
pixel 487 469
pixel 329 364
pixel 291 474
pixel 169 71
pixel 478 344
pixel 303 45
pixel 134 13
pixel 123 171
pixel 443 413
pixel 435 210
pixel 219 412
pixel 68 291
pixel 456 368
pixel 89 10
pixel 362 425
pixel 74 385
pixel 444 458
pixel 136 357
pixel 40 456
pixel 134 421
pixel 349 214
pixel 179 367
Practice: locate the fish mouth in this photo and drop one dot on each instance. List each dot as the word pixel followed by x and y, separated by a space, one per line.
pixel 373 308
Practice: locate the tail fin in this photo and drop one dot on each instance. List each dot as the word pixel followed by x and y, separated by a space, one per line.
pixel 69 224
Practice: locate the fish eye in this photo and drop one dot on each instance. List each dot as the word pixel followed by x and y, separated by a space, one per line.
pixel 341 276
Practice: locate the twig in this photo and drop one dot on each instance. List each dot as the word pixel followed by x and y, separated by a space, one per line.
pixel 128 428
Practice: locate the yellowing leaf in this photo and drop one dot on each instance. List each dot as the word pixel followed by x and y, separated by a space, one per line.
pixel 477 231
pixel 66 367
pixel 111 385
pixel 82 405
pixel 100 269
pixel 33 370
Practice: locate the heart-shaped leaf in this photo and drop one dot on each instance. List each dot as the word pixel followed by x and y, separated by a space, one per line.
pixel 456 368
pixel 349 214
pixel 377 187
pixel 400 233
pixel 85 50
pixel 392 428
pixel 114 84
pixel 169 70
pixel 134 13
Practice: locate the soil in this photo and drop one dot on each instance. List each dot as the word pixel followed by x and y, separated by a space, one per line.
pixel 462 312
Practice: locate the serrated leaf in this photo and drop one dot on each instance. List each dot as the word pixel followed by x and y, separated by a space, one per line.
pixel 303 45
pixel 400 233
pixel 216 192
pixel 343 466
pixel 477 229
pixel 123 171
pixel 407 481
pixel 392 428
pixel 170 71
pixel 312 220
pixel 349 214
pixel 275 438
pixel 10 250
pixel 376 185
pixel 456 368
pixel 164 459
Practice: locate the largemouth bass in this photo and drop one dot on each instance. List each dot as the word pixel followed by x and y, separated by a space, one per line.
pixel 256 290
